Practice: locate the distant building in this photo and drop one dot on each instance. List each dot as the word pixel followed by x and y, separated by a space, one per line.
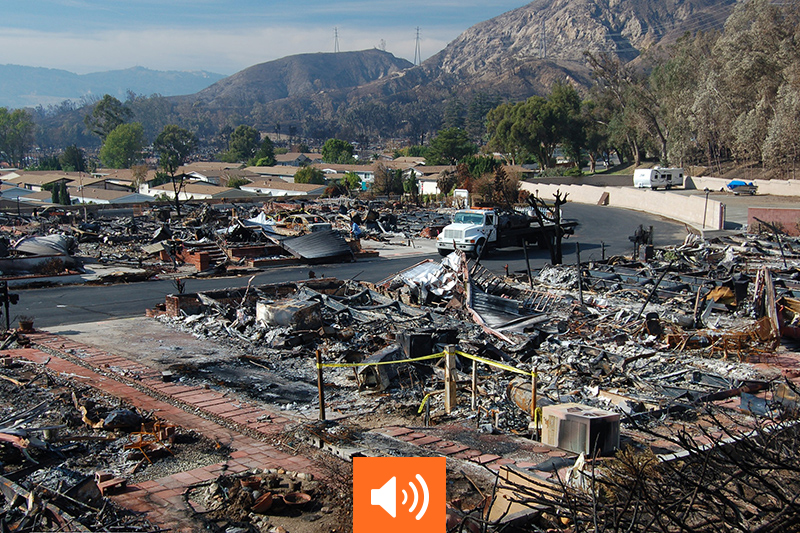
pixel 283 172
pixel 196 191
pixel 279 187
pixel 94 195
pixel 37 181
pixel 297 159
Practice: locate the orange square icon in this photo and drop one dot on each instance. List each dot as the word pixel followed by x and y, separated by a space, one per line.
pixel 399 494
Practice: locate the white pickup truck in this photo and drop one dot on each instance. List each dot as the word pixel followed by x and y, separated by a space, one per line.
pixel 473 230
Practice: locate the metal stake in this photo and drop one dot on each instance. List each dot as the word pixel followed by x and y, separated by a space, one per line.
pixel 320 386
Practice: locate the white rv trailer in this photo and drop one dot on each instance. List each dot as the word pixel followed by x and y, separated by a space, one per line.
pixel 658 177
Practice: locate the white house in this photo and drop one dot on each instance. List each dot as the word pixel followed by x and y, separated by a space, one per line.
pixel 279 187
pixel 94 195
pixel 196 191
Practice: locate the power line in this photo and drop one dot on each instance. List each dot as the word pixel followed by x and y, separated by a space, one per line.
pixel 336 40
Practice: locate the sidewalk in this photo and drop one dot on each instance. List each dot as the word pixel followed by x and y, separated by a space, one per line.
pixel 240 425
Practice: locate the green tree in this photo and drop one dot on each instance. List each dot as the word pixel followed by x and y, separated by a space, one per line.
pixel 59 194
pixel 235 182
pixel 16 135
pixel 265 157
pixel 72 159
pixel 412 151
pixel 48 162
pixel 106 116
pixel 63 195
pixel 480 165
pixel 174 145
pixel 123 146
pixel 411 187
pixel 387 180
pixel 450 146
pixel 595 124
pixel 310 175
pixel 337 151
pixel 538 125
pixel 243 144
pixel 352 181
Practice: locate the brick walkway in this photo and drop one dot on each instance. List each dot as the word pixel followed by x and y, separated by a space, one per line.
pixel 228 421
pixel 457 450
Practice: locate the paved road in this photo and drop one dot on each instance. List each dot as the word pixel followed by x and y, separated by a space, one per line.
pixel 57 306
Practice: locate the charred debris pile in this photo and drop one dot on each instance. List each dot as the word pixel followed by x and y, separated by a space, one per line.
pixel 66 449
pixel 630 367
pixel 207 240
pixel 640 338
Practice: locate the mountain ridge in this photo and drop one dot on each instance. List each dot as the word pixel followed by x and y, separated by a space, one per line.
pixel 24 86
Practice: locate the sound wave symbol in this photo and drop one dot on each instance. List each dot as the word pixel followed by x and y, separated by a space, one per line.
pixel 425 497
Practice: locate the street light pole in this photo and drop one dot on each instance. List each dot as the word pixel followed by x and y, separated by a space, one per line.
pixel 705 209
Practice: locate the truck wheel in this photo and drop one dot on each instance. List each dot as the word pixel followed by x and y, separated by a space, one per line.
pixel 479 249
pixel 444 253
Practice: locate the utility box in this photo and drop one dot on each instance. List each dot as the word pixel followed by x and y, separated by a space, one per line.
pixel 579 428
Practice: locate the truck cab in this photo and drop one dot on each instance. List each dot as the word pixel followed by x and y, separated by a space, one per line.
pixel 471 230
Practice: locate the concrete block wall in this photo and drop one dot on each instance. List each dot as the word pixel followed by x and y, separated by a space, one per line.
pixel 788 220
pixel 691 210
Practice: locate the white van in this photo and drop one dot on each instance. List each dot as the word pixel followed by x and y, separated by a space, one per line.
pixel 658 177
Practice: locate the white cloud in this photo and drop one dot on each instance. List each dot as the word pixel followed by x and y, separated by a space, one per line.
pixel 224 51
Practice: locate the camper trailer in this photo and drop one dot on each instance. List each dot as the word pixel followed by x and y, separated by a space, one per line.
pixel 658 177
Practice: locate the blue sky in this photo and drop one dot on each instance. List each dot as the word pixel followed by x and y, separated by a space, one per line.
pixel 222 36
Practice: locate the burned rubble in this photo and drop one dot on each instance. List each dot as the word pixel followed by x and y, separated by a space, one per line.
pixel 535 385
pixel 649 347
pixel 66 447
pixel 207 240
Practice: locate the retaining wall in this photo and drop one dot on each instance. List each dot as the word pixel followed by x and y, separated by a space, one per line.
pixel 692 210
pixel 772 187
pixel 788 220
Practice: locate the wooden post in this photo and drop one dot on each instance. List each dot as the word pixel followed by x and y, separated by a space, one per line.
pixel 474 384
pixel 527 262
pixel 534 378
pixel 580 272
pixel 320 386
pixel 449 378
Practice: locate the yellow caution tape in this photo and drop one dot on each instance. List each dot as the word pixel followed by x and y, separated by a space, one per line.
pixel 414 360
pixel 483 360
pixel 489 362
pixel 424 401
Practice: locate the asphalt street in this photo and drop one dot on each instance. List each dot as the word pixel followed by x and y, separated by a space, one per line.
pixel 599 226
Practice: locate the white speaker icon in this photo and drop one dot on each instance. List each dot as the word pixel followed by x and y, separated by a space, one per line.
pixel 386 497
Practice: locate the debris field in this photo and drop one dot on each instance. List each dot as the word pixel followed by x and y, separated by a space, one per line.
pixel 548 392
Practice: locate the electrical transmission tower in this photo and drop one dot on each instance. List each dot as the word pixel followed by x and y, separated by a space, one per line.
pixel 417 53
pixel 336 40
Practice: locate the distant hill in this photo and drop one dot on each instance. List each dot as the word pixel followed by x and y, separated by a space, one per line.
pixel 31 86
pixel 513 56
pixel 300 75
pixel 372 93
pixel 522 52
